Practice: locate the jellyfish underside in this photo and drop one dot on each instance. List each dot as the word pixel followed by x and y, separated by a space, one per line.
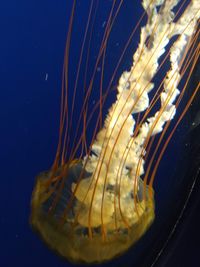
pixel 65 234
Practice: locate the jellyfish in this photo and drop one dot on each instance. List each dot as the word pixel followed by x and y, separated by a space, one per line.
pixel 97 199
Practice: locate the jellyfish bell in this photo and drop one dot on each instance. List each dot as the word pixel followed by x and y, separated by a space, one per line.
pixel 97 200
pixel 67 231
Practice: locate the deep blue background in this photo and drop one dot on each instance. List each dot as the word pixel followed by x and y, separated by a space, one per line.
pixel 32 44
pixel 32 47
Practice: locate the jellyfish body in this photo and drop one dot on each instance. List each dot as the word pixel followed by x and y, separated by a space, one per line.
pixel 68 234
pixel 93 208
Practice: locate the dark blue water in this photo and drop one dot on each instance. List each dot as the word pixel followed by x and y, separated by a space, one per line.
pixel 32 43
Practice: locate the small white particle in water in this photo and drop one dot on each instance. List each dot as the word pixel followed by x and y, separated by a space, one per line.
pixel 46 76
pixel 104 23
